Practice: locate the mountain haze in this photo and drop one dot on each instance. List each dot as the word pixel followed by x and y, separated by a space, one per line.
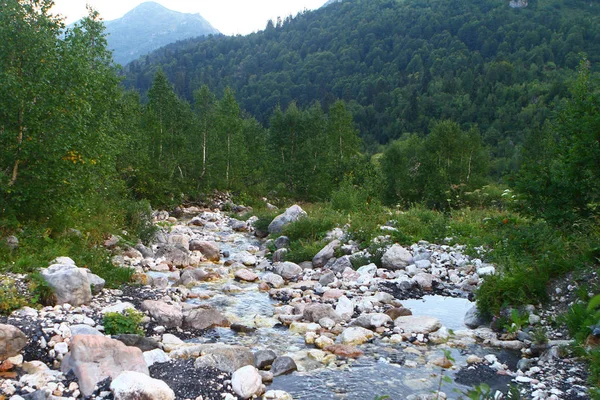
pixel 150 26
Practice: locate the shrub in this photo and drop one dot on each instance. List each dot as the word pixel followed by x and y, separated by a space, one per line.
pixel 127 323
pixel 41 292
pixel 10 299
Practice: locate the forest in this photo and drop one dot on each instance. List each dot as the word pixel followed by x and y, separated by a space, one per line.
pixel 400 66
pixel 464 119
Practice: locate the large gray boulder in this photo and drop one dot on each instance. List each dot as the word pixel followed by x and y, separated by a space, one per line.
pixel 341 264
pixel 130 385
pixel 12 341
pixel 326 254
pixel 292 214
pixel 473 319
pixel 287 270
pixel 396 257
pixel 204 318
pixel 69 284
pixel 94 358
pixel 168 315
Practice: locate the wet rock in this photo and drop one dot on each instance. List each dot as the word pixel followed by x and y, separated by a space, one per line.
pixel 242 328
pixel 277 395
pixel 283 365
pixel 245 275
pixel 287 270
pixel 290 215
pixel 246 258
pixel 132 385
pixel 327 253
pixel 204 318
pixel 264 358
pixel 210 250
pixel 323 341
pixel 417 324
pixel 343 350
pixel 442 362
pixel 355 335
pixel 398 312
pixel 396 257
pixel 94 358
pixel 224 357
pixel 273 280
pixel 141 342
pixel 192 276
pixel 69 284
pixel 168 315
pixel 246 382
pixel 372 321
pixel 314 312
pixel 12 341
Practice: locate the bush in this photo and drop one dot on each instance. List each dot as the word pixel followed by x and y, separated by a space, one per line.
pixel 127 323
pixel 10 299
pixel 41 292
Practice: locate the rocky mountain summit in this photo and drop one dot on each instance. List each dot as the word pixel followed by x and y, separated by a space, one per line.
pixel 221 320
pixel 150 26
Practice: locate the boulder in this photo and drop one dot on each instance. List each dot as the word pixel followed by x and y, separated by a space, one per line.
pixel 224 357
pixel 290 215
pixel 282 242
pixel 144 251
pixel 96 283
pixel 398 312
pixel 210 250
pixel 396 257
pixel 192 276
pixel 141 342
pixel 131 385
pixel 273 280
pixel 94 358
pixel 473 319
pixel 156 356
pixel 12 341
pixel 355 335
pixel 287 270
pixel 341 264
pixel 327 278
pixel 264 358
pixel 326 253
pixel 343 350
pixel 424 280
pixel 283 365
pixel 168 315
pixel 69 284
pixel 238 226
pixel 245 275
pixel 174 255
pixel 372 321
pixel 315 312
pixel 204 318
pixel 246 382
pixel 344 308
pixel 417 324
pixel 279 255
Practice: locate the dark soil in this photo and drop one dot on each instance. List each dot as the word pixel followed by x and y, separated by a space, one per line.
pixel 189 382
pixel 474 376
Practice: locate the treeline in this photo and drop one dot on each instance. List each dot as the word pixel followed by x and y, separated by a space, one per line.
pixel 400 66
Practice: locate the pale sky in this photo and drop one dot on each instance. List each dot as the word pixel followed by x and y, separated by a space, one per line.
pixel 228 16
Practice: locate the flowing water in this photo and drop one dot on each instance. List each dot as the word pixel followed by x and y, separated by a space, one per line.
pixel 396 370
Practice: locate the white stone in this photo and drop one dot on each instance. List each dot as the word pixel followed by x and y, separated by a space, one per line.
pixel 155 356
pixel 131 385
pixel 355 335
pixel 246 382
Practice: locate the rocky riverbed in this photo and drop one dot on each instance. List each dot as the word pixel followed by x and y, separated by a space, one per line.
pixel 223 321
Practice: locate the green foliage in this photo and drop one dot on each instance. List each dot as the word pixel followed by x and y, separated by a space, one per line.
pixel 127 323
pixel 437 169
pixel 539 335
pixel 560 174
pixel 10 299
pixel 41 292
pixel 516 322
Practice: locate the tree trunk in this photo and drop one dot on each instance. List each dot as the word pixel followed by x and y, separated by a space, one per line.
pixel 15 171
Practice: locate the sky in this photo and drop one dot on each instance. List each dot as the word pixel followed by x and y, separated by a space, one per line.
pixel 230 17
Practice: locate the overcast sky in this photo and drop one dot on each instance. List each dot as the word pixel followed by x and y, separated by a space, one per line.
pixel 228 16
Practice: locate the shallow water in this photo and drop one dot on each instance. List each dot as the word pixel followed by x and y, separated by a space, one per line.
pixel 381 371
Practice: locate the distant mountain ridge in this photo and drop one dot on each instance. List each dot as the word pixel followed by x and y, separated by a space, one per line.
pixel 150 26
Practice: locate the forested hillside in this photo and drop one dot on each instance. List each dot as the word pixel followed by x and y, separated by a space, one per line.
pixel 400 65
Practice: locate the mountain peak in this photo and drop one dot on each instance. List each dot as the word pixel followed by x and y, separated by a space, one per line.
pixel 150 26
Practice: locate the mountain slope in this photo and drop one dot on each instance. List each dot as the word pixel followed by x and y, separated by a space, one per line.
pixel 401 65
pixel 150 26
